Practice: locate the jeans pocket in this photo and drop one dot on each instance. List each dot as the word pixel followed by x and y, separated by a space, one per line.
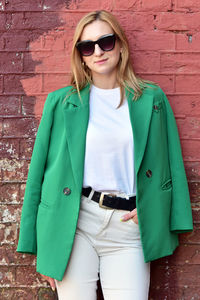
pixel 132 221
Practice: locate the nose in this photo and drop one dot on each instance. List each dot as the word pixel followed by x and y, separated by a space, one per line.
pixel 97 50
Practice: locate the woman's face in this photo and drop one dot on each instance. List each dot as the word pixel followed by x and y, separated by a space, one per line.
pixel 100 62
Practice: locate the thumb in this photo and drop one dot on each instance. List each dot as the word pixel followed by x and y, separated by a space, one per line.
pixel 52 283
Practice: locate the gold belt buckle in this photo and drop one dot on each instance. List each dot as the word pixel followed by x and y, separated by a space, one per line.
pixel 101 202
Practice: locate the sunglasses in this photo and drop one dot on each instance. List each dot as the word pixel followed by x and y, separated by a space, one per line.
pixel 105 42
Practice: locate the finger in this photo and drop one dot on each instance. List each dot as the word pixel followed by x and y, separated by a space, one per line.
pixel 44 277
pixel 135 219
pixel 130 215
pixel 52 283
pixel 50 280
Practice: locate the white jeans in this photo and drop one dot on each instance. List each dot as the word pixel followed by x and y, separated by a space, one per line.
pixel 107 247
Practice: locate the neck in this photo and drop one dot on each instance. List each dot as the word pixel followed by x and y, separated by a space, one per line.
pixel 105 81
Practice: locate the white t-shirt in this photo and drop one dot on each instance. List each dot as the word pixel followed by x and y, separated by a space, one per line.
pixel 109 156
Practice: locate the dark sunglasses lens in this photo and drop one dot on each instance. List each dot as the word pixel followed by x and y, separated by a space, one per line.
pixel 87 48
pixel 107 43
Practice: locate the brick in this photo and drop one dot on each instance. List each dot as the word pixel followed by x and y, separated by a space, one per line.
pixel 94 5
pixel 8 293
pixel 55 41
pixel 22 84
pixel 1 127
pixel 9 148
pixel 187 83
pixel 49 5
pixel 56 61
pixel 20 5
pixel 146 61
pixel 188 127
pixel 9 193
pixel 47 293
pixel 191 237
pixel 70 20
pixel 188 41
pixel 159 5
pixel 143 40
pixel 175 276
pixel 33 105
pixel 190 149
pixel 2 21
pixel 10 213
pixel 7 275
pixel 185 255
pixel 36 41
pixel 176 293
pixel 14 170
pixel 20 43
pixel 2 5
pixel 122 5
pixel 20 127
pixel 8 233
pixel 185 104
pixel 187 275
pixel 196 215
pixel 177 21
pixel 188 5
pixel 194 192
pixel 166 82
pixel 2 42
pixel 28 104
pixel 26 276
pixel 9 256
pixel 136 20
pixel 11 62
pixel 58 40
pixel 9 105
pixel 193 170
pixel 53 82
pixel 35 20
pixel 26 148
pixel 180 62
pixel 1 83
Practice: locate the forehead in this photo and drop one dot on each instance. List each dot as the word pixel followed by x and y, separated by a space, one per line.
pixel 95 29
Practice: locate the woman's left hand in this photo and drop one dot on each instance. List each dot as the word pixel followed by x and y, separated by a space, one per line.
pixel 131 215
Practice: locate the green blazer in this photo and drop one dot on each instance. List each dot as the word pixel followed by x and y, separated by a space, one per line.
pixel 53 190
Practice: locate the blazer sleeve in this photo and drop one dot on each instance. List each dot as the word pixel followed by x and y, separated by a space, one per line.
pixel 27 235
pixel 181 213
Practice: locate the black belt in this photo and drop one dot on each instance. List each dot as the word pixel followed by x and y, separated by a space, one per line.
pixel 111 201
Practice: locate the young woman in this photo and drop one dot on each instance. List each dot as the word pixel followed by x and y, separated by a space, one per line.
pixel 106 191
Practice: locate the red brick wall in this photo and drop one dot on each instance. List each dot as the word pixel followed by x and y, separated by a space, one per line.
pixel 35 40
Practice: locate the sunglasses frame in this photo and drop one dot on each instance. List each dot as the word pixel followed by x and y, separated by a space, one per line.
pixel 78 44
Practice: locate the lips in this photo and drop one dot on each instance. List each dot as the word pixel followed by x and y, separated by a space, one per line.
pixel 101 61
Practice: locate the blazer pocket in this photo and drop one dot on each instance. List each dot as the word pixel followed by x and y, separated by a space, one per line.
pixel 167 184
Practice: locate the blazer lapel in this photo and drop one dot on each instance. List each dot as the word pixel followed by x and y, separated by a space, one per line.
pixel 76 116
pixel 140 112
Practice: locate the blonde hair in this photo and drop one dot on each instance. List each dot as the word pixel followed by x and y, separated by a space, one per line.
pixel 126 77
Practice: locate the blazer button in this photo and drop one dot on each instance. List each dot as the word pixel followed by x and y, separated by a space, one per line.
pixel 67 191
pixel 149 173
pixel 155 107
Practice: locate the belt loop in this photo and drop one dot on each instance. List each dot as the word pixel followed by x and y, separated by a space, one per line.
pixel 91 194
